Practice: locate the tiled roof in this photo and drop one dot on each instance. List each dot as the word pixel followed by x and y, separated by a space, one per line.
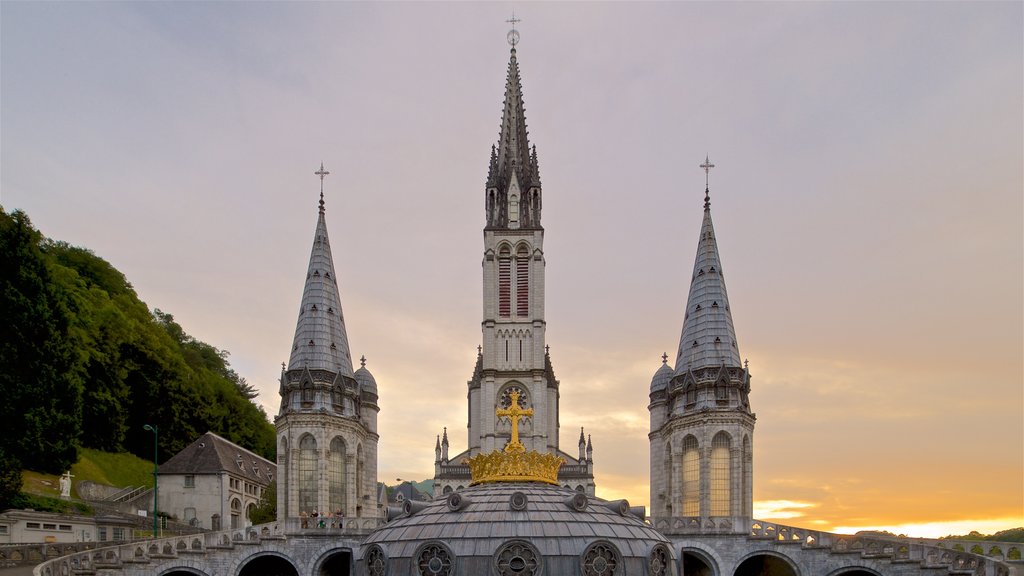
pixel 708 337
pixel 211 454
pixel 321 342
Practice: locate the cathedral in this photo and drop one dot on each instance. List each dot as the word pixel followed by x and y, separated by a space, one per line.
pixel 512 502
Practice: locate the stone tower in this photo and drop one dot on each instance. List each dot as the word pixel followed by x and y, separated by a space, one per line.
pixel 513 356
pixel 327 425
pixel 701 424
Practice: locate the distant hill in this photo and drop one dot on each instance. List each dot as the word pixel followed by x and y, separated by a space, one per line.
pixel 87 364
pixel 1011 535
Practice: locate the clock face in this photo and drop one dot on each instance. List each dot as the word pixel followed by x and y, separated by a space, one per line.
pixel 513 37
pixel 506 397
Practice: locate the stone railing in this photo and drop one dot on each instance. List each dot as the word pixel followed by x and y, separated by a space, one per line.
pixel 329 526
pixel 696 525
pixel 931 554
pixel 143 551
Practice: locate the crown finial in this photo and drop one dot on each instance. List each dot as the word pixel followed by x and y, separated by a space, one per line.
pixel 514 463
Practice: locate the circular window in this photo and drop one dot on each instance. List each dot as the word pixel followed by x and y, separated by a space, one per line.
pixel 506 397
pixel 434 560
pixel 376 562
pixel 517 558
pixel 600 559
pixel 517 501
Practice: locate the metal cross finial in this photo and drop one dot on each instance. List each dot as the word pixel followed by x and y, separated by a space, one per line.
pixel 707 166
pixel 513 34
pixel 321 173
pixel 514 413
pixel 362 361
pixel 664 357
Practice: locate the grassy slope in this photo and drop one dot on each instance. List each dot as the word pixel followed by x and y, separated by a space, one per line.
pixel 100 467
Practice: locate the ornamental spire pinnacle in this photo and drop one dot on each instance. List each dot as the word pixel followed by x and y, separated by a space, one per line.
pixel 513 178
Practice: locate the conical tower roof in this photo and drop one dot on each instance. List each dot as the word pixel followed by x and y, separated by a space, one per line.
pixel 321 342
pixel 708 338
pixel 513 153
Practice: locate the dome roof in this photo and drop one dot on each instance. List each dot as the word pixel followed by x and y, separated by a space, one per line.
pixel 366 380
pixel 662 377
pixel 517 528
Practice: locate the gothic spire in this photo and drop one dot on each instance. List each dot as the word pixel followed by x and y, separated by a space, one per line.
pixel 708 337
pixel 513 161
pixel 321 342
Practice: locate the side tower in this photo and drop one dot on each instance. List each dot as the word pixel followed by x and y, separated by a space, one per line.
pixel 327 425
pixel 701 425
pixel 513 358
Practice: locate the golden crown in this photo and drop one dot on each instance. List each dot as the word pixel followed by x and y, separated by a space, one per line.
pixel 514 464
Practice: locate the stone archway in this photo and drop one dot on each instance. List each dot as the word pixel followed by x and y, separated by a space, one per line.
pixel 337 563
pixel 765 565
pixel 268 565
pixel 696 564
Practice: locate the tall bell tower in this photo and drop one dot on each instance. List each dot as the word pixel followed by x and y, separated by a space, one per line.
pixel 513 359
pixel 702 427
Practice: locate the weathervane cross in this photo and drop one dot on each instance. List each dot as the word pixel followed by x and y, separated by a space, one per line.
pixel 514 413
pixel 321 173
pixel 707 166
pixel 513 34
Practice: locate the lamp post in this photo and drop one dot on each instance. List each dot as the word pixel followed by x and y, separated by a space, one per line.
pixel 156 435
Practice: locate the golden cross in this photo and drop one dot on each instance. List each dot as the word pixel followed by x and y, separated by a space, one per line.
pixel 514 413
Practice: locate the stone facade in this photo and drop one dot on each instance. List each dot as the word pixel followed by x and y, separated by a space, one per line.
pixel 213 483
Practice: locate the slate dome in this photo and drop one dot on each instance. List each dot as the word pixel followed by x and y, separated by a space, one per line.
pixel 516 529
pixel 662 377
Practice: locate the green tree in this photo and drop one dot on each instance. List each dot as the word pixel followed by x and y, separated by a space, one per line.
pixel 41 379
pixel 10 479
pixel 266 509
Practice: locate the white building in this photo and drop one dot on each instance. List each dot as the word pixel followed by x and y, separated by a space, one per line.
pixel 213 483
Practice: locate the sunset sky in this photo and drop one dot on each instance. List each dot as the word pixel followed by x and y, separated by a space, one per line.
pixel 868 199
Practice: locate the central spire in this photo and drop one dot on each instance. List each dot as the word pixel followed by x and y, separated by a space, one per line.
pixel 513 177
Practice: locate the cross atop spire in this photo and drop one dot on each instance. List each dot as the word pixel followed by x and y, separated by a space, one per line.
pixel 513 34
pixel 664 358
pixel 514 413
pixel 707 166
pixel 321 173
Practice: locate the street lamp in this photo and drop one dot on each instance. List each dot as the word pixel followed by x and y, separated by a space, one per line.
pixel 156 435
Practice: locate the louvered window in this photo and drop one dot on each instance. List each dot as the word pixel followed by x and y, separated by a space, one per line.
pixel 522 284
pixel 505 287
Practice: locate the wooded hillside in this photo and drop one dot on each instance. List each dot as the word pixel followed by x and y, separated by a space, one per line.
pixel 85 363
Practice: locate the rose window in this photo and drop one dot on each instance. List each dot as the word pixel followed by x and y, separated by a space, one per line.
pixel 517 559
pixel 434 560
pixel 506 397
pixel 600 559
pixel 659 561
pixel 376 563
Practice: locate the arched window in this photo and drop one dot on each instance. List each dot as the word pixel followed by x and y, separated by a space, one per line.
pixel 308 463
pixel 359 479
pixel 447 490
pixel 505 282
pixel 691 477
pixel 668 484
pixel 523 282
pixel 282 465
pixel 745 477
pixel 336 475
pixel 307 391
pixel 720 475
